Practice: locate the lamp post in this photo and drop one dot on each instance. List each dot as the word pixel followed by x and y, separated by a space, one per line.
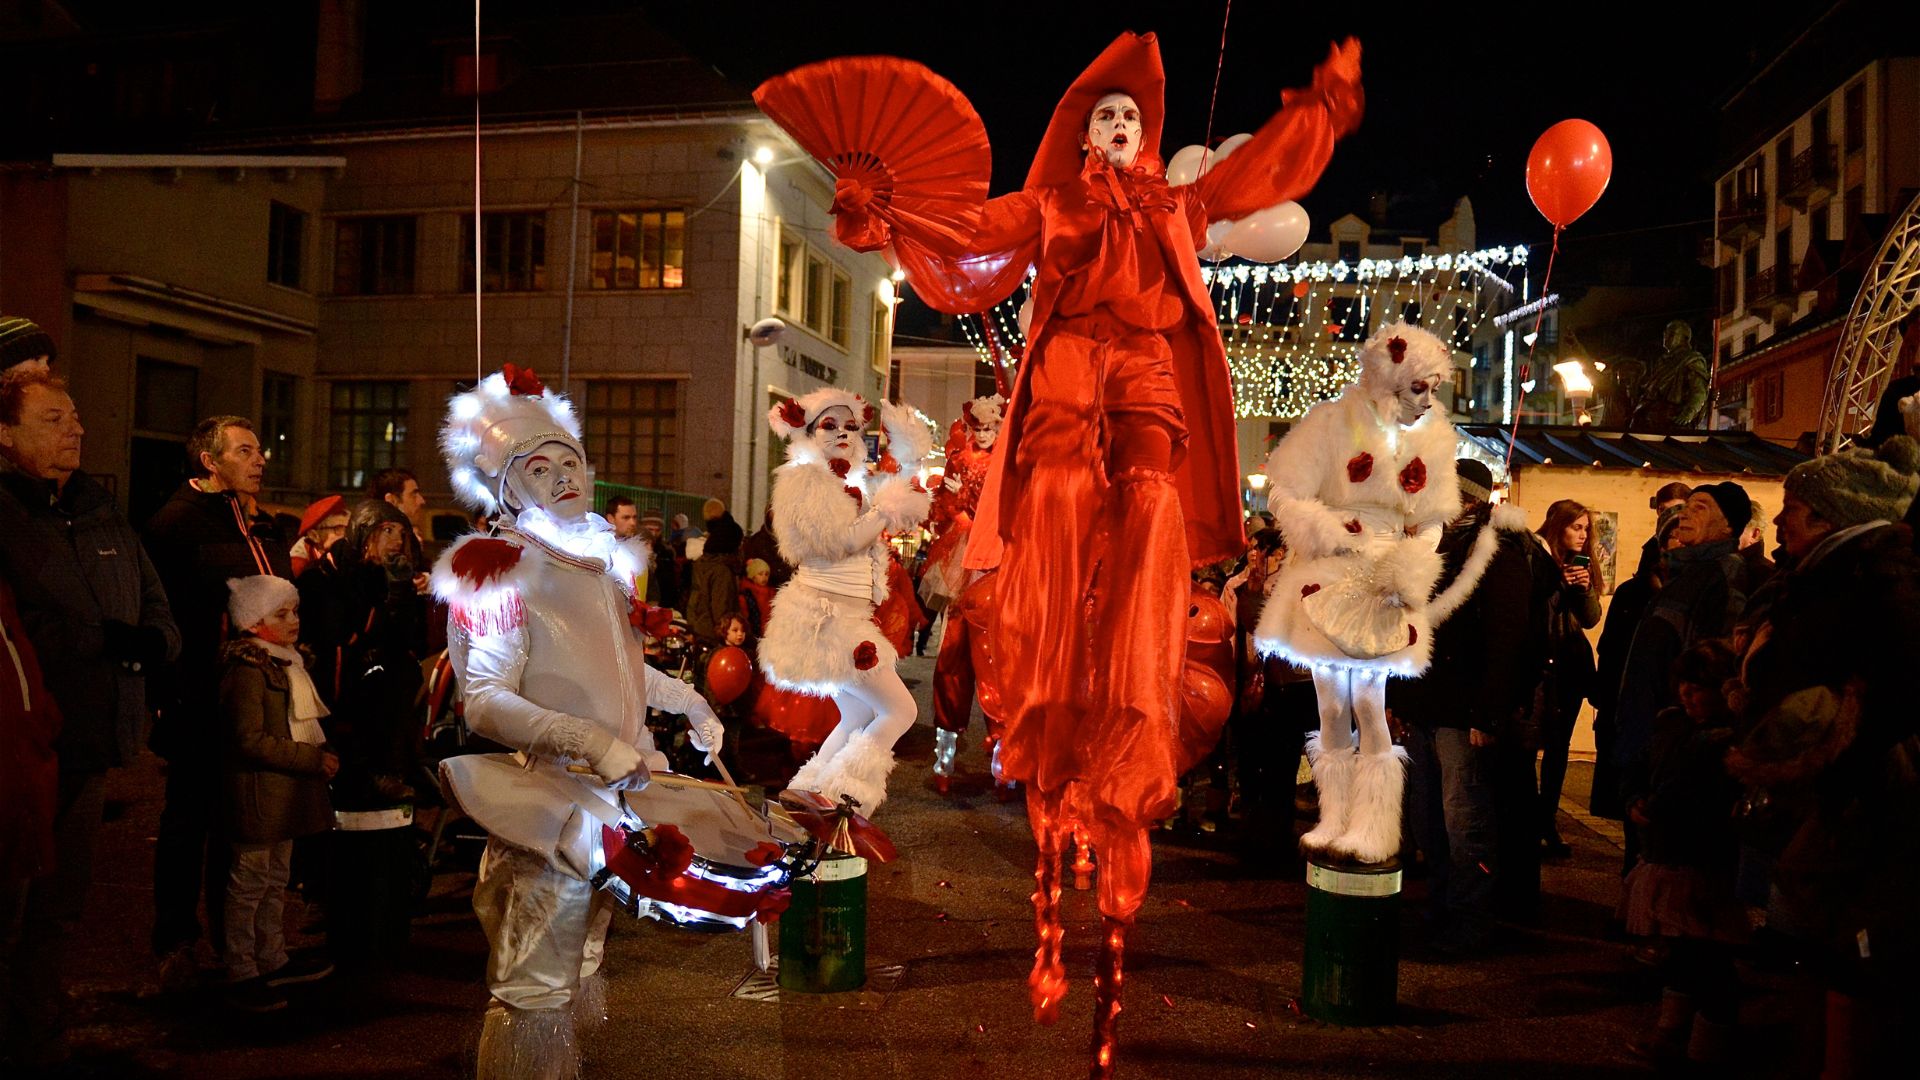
pixel 1579 388
pixel 1256 485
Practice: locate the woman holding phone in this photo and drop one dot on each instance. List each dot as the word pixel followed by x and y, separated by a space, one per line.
pixel 1571 612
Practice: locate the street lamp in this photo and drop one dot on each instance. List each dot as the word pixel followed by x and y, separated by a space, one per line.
pixel 763 156
pixel 1257 481
pixel 1579 388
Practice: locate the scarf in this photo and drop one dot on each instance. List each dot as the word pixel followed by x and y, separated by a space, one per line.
pixel 305 709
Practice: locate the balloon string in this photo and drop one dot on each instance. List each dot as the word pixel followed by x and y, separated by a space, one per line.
pixel 993 350
pixel 1219 66
pixel 1538 318
pixel 479 366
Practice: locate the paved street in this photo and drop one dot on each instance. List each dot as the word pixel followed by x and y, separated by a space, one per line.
pixel 1213 968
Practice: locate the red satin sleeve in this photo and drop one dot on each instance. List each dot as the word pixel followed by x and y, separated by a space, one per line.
pixel 1285 158
pixel 970 278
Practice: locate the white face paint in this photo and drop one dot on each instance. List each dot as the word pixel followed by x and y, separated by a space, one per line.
pixel 983 437
pixel 1115 130
pixel 1415 399
pixel 837 435
pixel 553 477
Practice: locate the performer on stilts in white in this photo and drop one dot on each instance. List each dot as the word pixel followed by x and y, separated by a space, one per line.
pixel 542 635
pixel 1361 489
pixel 829 515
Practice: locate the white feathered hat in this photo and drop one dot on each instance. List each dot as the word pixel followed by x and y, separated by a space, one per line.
pixel 1398 354
pixel 507 415
pixel 251 599
pixel 797 414
pixel 983 412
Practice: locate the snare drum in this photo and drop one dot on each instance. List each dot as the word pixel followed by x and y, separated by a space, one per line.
pixel 722 833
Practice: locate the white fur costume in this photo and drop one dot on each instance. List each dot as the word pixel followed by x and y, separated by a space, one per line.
pixel 1361 500
pixel 829 516
pixel 549 664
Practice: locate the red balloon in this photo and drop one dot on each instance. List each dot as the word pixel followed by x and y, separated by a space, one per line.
pixel 1205 704
pixel 1568 169
pixel 729 673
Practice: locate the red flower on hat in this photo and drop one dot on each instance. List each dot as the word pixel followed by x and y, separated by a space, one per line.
pixel 793 414
pixel 865 656
pixel 1353 526
pixel 841 467
pixel 1359 467
pixel 1309 590
pixel 522 381
pixel 1414 476
pixel 1397 348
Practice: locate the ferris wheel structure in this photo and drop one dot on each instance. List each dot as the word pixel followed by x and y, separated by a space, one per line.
pixel 1870 339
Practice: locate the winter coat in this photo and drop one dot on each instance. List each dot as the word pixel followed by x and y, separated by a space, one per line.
pixel 198 540
pixel 29 769
pixel 715 595
pixel 1832 739
pixel 1703 597
pixel 1486 657
pixel 76 567
pixel 274 787
pixel 1691 797
pixel 756 602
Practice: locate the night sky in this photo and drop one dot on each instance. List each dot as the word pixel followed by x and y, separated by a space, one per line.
pixel 1456 93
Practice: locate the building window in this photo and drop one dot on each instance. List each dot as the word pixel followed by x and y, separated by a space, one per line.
pixel 984 384
pixel 165 397
pixel 1410 314
pixel 286 244
pixel 277 426
pixel 1770 390
pixel 1411 249
pixel 1853 205
pixel 1348 321
pixel 1727 281
pixel 1818 222
pixel 515 252
pixel 373 256
pixel 788 287
pixel 1349 251
pixel 881 346
pixel 639 249
pixel 1855 133
pixel 368 432
pixel 813 298
pixel 633 429
pixel 1750 263
pixel 841 329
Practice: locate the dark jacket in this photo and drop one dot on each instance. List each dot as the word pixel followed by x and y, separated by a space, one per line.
pixel 94 608
pixel 1487 655
pixel 715 594
pixel 1691 797
pixel 29 768
pixel 764 546
pixel 1704 595
pixel 357 616
pixel 198 540
pixel 275 789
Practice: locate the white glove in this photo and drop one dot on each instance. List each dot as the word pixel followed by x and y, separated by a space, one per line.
pixel 704 729
pixel 616 762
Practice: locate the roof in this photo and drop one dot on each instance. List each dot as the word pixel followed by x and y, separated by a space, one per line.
pixel 1734 453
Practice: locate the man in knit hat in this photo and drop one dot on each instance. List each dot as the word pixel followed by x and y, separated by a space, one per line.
pixel 1847 493
pixel 22 341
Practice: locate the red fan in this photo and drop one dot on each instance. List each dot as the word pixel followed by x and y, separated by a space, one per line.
pixel 904 134
pixel 837 826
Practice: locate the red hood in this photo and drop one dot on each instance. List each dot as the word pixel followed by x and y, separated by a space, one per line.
pixel 1130 65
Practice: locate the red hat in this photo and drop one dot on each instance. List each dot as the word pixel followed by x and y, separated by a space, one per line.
pixel 320 510
pixel 1131 65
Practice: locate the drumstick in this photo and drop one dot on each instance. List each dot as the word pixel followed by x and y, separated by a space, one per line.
pixel 728 777
pixel 667 779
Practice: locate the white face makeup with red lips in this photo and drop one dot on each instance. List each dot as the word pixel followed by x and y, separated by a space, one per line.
pixel 1114 129
pixel 554 478
pixel 983 437
pixel 1415 399
pixel 836 434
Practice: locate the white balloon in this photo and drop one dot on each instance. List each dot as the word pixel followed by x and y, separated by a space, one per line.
pixel 1184 166
pixel 1227 146
pixel 1216 237
pixel 766 332
pixel 1024 317
pixel 1269 235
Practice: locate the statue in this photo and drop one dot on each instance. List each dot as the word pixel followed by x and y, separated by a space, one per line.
pixel 1672 395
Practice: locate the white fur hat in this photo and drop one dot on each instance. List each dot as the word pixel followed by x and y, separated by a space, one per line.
pixel 250 599
pixel 1398 354
pixel 984 412
pixel 508 414
pixel 797 414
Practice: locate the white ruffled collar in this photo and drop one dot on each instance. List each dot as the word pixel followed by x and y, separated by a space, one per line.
pixel 589 541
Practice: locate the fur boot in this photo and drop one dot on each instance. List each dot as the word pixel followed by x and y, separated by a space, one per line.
pixel 860 769
pixel 1373 815
pixel 1333 779
pixel 527 1044
pixel 812 776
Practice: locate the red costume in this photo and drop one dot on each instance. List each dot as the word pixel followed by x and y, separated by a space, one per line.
pixel 1120 466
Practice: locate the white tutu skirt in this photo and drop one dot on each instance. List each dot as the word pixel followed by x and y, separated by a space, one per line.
pixel 817 643
pixel 1345 595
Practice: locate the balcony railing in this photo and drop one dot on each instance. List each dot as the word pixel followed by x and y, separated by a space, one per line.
pixel 1812 174
pixel 1742 220
pixel 1766 289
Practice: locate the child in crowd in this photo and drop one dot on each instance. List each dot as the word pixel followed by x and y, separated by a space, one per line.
pixel 756 595
pixel 1682 889
pixel 275 776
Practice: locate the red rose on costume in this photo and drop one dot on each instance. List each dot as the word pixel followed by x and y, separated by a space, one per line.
pixel 1413 635
pixel 1359 467
pixel 793 414
pixel 522 381
pixel 1397 348
pixel 649 620
pixel 854 494
pixel 1309 590
pixel 478 562
pixel 672 848
pixel 1414 476
pixel 764 852
pixel 1353 526
pixel 866 412
pixel 841 467
pixel 865 656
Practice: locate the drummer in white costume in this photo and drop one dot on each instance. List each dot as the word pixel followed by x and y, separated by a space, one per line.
pixel 539 632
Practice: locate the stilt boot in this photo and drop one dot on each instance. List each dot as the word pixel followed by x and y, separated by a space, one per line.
pixel 1373 812
pixel 1333 778
pixel 527 1044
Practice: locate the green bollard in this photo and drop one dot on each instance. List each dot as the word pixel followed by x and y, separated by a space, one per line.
pixel 823 932
pixel 1352 969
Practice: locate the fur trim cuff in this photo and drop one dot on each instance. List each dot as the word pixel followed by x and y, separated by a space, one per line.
pixel 900 503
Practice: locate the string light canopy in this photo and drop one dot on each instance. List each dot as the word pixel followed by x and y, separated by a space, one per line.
pixel 1293 330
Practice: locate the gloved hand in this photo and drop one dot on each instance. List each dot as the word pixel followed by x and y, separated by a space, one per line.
pixel 615 762
pixel 137 648
pixel 704 729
